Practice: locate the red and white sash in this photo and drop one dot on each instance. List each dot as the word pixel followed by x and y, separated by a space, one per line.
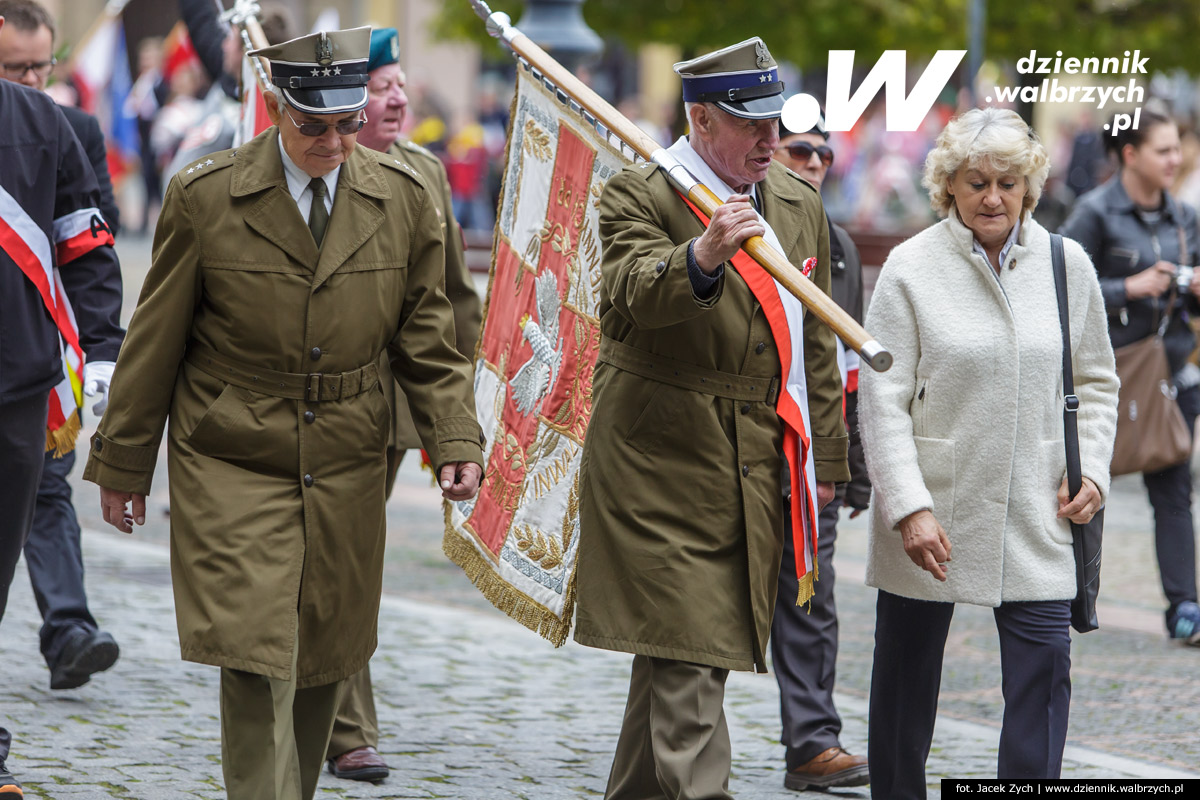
pixel 785 314
pixel 29 248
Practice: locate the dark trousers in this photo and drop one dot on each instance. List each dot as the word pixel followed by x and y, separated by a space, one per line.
pixel 55 560
pixel 1170 494
pixel 1035 667
pixel 804 645
pixel 22 449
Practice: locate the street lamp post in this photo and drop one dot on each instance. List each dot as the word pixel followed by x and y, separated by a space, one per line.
pixel 558 27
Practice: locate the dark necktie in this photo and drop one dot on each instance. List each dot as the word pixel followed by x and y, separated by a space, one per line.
pixel 318 215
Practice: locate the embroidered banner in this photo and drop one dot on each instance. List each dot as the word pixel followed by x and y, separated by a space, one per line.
pixel 517 540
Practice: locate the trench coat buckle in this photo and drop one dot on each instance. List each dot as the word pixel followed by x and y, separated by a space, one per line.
pixel 313 395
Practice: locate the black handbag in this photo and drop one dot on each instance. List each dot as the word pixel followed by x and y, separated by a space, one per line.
pixel 1086 539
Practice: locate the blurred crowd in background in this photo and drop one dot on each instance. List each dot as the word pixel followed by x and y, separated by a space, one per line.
pixel 873 185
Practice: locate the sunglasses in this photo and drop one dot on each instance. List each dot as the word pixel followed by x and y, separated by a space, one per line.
pixel 315 129
pixel 802 151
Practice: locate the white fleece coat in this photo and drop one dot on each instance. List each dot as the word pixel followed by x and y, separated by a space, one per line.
pixel 968 421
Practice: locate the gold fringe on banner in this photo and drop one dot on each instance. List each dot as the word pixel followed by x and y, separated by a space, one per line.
pixel 62 441
pixel 504 596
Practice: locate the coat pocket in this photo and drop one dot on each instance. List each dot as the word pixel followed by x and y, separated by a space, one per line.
pixel 657 416
pixel 211 435
pixel 1052 468
pixel 935 459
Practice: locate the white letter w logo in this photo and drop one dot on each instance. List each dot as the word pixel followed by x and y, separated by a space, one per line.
pixel 901 113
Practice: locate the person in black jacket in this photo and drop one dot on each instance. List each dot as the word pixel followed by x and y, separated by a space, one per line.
pixel 50 229
pixel 1138 237
pixel 71 642
pixel 804 640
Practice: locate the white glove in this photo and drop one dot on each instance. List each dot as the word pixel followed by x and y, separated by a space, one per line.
pixel 97 375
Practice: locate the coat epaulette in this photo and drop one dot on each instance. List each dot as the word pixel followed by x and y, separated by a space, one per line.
pixel 403 167
pixel 206 165
pixel 643 168
pixel 416 148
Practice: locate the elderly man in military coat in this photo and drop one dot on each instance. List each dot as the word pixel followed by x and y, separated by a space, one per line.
pixel 352 749
pixel 281 271
pixel 681 518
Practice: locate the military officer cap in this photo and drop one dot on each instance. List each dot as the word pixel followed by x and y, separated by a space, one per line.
pixel 324 72
pixel 742 79
pixel 385 48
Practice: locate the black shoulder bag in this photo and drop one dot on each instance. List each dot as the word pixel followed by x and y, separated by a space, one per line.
pixel 1086 538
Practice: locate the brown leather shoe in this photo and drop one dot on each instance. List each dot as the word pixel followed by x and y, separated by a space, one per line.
pixel 359 764
pixel 834 767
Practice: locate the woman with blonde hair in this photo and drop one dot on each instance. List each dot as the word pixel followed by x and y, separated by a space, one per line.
pixel 964 445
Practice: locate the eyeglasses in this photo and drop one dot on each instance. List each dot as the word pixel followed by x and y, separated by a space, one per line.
pixel 802 151
pixel 14 72
pixel 315 129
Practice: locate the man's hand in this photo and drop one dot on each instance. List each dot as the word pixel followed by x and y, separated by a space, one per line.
pixel 112 505
pixel 97 375
pixel 825 492
pixel 731 224
pixel 460 480
pixel 1150 282
pixel 926 542
pixel 1083 507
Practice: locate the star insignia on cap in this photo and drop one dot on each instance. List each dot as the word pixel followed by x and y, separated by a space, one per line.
pixel 316 72
pixel 327 72
pixel 764 78
pixel 337 70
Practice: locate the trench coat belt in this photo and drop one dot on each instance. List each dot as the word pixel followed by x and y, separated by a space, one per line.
pixel 683 375
pixel 314 387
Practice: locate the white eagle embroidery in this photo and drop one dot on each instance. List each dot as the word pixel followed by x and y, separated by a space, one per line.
pixel 535 377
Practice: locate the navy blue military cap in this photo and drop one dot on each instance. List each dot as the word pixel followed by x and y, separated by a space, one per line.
pixel 385 48
pixel 324 72
pixel 742 79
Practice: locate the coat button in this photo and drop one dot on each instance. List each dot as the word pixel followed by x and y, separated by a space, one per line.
pixel 745 470
pixel 308 480
pixel 660 266
pixel 309 417
pixel 746 408
pixel 99 445
pixel 760 347
pixel 316 353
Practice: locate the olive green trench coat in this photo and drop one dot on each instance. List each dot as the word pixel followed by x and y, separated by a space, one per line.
pixel 460 287
pixel 681 529
pixel 277 504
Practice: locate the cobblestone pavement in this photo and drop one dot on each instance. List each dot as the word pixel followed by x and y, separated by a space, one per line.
pixel 473 706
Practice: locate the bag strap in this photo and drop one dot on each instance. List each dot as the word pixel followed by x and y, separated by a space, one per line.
pixel 1070 401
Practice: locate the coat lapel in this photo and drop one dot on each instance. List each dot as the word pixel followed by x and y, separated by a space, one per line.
pixel 275 217
pixel 781 199
pixel 355 218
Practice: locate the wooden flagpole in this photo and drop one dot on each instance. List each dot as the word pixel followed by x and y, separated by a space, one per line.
pixel 774 262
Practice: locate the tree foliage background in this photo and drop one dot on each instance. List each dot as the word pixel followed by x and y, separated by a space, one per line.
pixel 1168 31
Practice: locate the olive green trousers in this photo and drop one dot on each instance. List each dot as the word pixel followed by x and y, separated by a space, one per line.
pixel 674 743
pixel 274 735
pixel 356 724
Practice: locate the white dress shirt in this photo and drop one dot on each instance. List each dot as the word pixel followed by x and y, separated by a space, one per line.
pixel 298 180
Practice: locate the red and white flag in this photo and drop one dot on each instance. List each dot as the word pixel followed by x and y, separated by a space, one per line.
pixel 533 367
pixel 36 256
pixel 254 119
